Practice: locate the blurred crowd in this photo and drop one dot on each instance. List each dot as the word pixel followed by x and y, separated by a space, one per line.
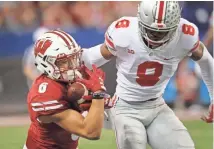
pixel 186 85
pixel 19 16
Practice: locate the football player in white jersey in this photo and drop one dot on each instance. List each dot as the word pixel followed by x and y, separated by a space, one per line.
pixel 148 49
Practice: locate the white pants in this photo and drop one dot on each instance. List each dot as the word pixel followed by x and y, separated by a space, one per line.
pixel 25 147
pixel 137 123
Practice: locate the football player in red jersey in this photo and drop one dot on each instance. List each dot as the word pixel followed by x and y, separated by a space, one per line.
pixel 52 118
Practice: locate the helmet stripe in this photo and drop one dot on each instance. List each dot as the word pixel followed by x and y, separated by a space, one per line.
pixel 61 36
pixel 160 12
pixel 68 36
pixel 109 42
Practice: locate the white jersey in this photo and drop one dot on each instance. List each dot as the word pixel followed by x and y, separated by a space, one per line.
pixel 143 74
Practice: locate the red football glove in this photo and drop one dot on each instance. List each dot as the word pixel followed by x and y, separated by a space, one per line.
pixel 85 106
pixel 209 117
pixel 95 81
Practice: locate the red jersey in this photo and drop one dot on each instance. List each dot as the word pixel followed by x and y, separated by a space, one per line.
pixel 47 97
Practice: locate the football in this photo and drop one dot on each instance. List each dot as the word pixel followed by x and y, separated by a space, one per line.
pixel 75 92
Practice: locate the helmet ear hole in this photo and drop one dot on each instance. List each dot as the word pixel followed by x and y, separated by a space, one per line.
pixel 43 65
pixel 46 73
pixel 44 58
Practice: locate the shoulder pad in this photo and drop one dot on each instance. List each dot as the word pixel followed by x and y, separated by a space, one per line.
pixel 118 33
pixel 47 98
pixel 189 35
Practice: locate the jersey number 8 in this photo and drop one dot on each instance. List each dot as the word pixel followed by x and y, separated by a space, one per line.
pixel 122 24
pixel 188 29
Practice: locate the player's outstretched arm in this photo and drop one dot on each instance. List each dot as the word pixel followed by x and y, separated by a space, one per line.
pixel 205 61
pixel 102 53
pixel 98 55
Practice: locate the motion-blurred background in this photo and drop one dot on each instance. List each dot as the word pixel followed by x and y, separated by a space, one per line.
pixel 22 22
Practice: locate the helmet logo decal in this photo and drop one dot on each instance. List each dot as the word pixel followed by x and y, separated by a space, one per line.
pixel 41 46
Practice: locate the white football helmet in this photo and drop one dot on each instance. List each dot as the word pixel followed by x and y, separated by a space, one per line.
pixel 55 48
pixel 158 20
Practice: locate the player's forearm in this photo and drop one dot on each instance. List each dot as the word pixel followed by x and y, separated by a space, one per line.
pixel 93 56
pixel 94 120
pixel 206 65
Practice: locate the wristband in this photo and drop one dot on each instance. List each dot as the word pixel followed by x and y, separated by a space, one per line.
pixel 100 95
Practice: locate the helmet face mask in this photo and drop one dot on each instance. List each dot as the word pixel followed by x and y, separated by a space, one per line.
pixel 158 21
pixel 155 35
pixel 68 67
pixel 58 55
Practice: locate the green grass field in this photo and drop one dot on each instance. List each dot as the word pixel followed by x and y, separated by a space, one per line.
pixel 14 137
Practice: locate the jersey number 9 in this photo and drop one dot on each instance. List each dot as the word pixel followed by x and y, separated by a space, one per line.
pixel 148 73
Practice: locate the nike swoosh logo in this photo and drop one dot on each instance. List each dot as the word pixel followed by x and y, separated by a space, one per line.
pixel 168 58
pixel 56 49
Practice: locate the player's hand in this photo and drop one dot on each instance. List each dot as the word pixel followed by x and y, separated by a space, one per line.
pixel 208 118
pixel 85 106
pixel 95 82
pixel 109 103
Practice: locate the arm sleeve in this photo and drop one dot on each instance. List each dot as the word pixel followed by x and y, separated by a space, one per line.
pixel 206 65
pixel 93 56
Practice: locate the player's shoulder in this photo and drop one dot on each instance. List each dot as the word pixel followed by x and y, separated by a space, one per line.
pixel 189 34
pixel 120 31
pixel 44 87
pixel 123 24
pixel 183 26
pixel 46 97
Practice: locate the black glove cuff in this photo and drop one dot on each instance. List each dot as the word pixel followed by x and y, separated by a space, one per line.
pixel 100 95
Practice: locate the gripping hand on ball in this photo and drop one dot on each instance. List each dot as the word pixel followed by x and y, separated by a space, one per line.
pixel 95 82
